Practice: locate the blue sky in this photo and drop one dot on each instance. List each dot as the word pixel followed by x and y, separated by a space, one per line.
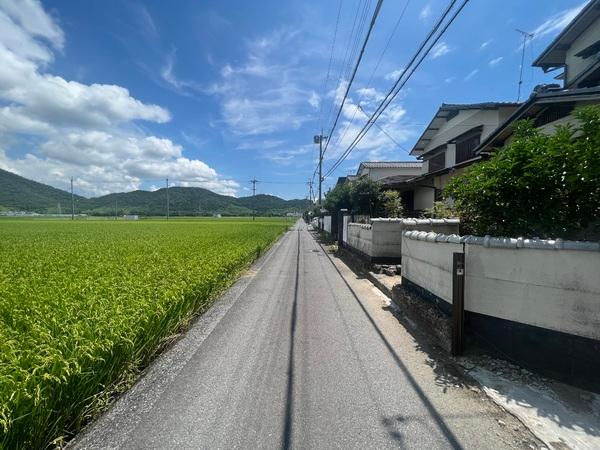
pixel 122 94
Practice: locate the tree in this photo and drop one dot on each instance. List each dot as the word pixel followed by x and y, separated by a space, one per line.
pixel 439 210
pixel 392 204
pixel 539 185
pixel 365 196
pixel 338 198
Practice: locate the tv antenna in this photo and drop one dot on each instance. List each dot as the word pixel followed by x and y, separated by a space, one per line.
pixel 526 35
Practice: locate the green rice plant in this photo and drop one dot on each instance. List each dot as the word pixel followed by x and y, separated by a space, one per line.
pixel 84 306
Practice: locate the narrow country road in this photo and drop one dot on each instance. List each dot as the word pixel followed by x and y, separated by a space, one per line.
pixel 301 353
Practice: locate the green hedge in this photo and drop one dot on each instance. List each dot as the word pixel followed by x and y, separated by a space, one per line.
pixel 538 185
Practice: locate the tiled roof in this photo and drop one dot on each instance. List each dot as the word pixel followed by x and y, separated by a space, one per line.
pixel 391 164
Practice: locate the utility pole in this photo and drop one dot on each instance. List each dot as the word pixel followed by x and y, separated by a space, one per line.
pixel 310 190
pixel 115 208
pixel 72 201
pixel 319 140
pixel 167 198
pixel 526 36
pixel 253 181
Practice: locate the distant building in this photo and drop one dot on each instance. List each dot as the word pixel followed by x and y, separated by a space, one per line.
pixel 131 217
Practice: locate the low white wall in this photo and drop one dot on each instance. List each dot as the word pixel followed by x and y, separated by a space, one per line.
pixel 360 237
pixel 346 220
pixel 549 284
pixel 384 238
pixel 428 263
pixel 327 223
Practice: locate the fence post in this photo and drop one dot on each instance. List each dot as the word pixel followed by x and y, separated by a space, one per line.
pixel 458 302
pixel 340 227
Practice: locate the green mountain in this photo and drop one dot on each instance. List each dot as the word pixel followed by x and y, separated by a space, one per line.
pixel 18 193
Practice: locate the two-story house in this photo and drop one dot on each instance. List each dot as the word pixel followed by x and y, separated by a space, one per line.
pixel 447 146
pixel 576 52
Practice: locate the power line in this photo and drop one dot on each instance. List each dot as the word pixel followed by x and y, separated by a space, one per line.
pixel 419 56
pixel 337 21
pixel 346 60
pixel 356 65
pixel 387 44
pixel 383 131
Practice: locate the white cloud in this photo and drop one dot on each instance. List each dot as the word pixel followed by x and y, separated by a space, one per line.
pixel 370 94
pixel 485 44
pixel 425 12
pixel 394 74
pixel 494 62
pixel 314 100
pixel 377 144
pixel 440 49
pixel 270 90
pixel 33 20
pixel 80 130
pixel 555 23
pixel 449 80
pixel 286 157
pixel 471 74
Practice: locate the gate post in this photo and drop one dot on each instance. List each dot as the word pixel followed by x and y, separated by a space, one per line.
pixel 340 227
pixel 458 303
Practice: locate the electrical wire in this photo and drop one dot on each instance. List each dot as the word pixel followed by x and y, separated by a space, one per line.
pixel 325 84
pixel 419 56
pixel 356 65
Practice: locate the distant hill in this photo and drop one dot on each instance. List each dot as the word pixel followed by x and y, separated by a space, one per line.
pixel 22 194
pixel 18 193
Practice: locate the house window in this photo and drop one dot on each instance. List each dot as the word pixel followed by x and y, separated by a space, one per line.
pixel 465 147
pixel 437 162
pixel 553 113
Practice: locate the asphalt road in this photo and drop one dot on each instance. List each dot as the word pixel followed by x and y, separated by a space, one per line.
pixel 301 353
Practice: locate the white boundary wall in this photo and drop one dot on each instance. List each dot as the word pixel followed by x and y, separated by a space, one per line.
pixel 327 223
pixel 383 237
pixel 549 284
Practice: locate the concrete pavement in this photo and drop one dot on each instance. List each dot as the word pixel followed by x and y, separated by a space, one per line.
pixel 300 353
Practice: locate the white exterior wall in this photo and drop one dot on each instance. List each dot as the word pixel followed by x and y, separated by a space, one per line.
pixel 556 289
pixel 463 122
pixel 429 265
pixel 360 237
pixel 424 197
pixel 327 223
pixel 575 64
pixel 450 155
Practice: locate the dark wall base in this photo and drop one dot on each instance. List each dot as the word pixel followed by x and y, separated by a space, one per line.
pixel 374 259
pixel 562 356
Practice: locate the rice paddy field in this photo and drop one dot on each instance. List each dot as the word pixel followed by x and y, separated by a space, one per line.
pixel 85 305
